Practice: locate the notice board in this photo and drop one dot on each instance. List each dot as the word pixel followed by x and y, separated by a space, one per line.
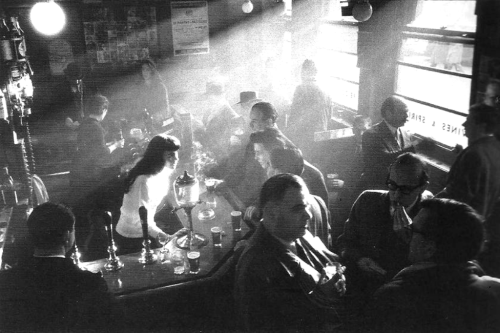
pixel 190 27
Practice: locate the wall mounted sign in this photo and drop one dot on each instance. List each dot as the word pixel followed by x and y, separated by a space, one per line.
pixel 190 27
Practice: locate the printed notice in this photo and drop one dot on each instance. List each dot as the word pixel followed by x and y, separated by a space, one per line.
pixel 190 27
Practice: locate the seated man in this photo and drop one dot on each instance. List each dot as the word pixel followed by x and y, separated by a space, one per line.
pixel 283 160
pixel 442 291
pixel 375 242
pixel 245 175
pixel 48 292
pixel 266 141
pixel 281 280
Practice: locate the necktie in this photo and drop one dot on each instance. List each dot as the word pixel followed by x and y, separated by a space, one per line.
pixel 400 139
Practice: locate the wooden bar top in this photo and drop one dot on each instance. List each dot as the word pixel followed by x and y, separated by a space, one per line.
pixel 135 277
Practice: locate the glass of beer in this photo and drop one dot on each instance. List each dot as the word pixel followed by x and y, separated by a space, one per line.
pixel 216 236
pixel 236 220
pixel 194 262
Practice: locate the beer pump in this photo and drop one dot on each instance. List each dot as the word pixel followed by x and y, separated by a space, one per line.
pixel 113 263
pixel 147 256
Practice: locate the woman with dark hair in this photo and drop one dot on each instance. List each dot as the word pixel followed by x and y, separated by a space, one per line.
pixel 147 184
pixel 152 96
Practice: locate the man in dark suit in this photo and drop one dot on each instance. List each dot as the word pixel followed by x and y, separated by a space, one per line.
pixel 375 242
pixel 287 280
pixel 384 142
pixel 48 292
pixel 290 160
pixel 442 291
pixel 474 178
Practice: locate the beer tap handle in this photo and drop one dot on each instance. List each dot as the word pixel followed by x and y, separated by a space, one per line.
pixel 143 215
pixel 107 217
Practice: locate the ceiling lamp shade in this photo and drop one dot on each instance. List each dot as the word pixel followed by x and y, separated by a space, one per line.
pixel 362 10
pixel 47 17
pixel 247 7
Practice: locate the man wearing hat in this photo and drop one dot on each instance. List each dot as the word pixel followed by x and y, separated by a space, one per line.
pixel 474 178
pixel 220 120
pixel 247 100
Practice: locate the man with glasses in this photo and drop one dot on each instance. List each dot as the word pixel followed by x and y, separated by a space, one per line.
pixel 375 239
pixel 442 290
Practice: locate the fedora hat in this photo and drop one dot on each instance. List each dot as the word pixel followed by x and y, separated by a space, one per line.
pixel 247 96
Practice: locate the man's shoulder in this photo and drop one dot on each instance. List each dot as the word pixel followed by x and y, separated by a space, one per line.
pixel 372 196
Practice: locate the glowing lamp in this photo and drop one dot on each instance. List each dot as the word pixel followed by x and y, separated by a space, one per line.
pixel 362 10
pixel 247 7
pixel 47 17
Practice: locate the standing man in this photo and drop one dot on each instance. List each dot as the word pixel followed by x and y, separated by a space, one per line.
pixel 474 178
pixel 287 280
pixel 92 157
pixel 384 142
pixel 220 121
pixel 48 292
pixel 310 112
pixel 375 240
pixel 442 290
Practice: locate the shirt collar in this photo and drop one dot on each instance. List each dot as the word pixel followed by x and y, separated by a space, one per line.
pixel 393 129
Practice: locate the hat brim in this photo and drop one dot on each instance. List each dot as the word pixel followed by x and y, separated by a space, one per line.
pixel 255 100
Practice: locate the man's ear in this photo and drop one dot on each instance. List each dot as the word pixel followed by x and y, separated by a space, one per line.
pixel 270 215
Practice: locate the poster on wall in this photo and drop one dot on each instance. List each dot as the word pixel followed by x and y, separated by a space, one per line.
pixel 121 36
pixel 190 27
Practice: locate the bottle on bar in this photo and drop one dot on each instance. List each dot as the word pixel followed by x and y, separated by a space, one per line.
pixel 9 194
pixel 5 46
pixel 17 37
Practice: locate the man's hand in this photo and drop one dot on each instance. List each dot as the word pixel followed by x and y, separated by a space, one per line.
pixel 332 280
pixel 400 219
pixel 369 266
pixel 401 222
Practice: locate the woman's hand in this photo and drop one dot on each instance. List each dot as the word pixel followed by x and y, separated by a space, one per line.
pixel 181 232
pixel 163 238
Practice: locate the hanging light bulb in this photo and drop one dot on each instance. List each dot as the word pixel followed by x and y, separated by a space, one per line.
pixel 247 7
pixel 47 17
pixel 362 10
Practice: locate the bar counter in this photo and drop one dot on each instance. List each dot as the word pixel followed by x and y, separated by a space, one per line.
pixel 136 278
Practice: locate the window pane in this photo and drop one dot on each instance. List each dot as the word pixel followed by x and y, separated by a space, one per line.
pixel 449 56
pixel 436 124
pixel 447 14
pixel 338 65
pixel 448 91
pixel 338 37
pixel 342 92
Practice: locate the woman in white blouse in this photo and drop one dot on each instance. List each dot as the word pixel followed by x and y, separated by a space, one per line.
pixel 147 184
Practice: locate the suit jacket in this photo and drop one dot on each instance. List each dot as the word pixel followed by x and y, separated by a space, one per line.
pixel 380 149
pixel 368 232
pixel 273 289
pixel 52 294
pixel 474 178
pixel 320 224
pixel 437 298
pixel 315 181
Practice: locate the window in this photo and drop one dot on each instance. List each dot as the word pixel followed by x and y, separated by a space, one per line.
pixel 434 70
pixel 337 57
